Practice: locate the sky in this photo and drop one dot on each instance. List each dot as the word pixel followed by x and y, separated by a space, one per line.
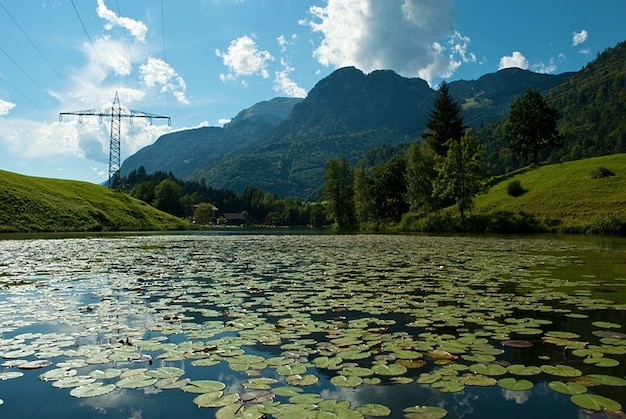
pixel 200 62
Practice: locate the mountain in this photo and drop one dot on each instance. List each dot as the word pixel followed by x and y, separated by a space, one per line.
pixel 282 146
pixel 183 152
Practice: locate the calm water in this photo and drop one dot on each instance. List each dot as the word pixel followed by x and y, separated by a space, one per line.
pixel 393 311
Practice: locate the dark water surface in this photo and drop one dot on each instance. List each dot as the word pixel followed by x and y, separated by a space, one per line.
pixel 409 320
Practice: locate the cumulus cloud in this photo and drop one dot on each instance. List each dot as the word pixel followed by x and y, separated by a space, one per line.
pixel 579 37
pixel 284 84
pixel 402 35
pixel 244 58
pixel 136 28
pixel 544 68
pixel 156 72
pixel 514 60
pixel 5 107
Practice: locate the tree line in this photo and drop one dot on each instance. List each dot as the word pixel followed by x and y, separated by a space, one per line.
pixel 445 168
pixel 196 201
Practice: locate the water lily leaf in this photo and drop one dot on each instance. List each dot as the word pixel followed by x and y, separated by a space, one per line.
pixel 425 412
pixel 360 371
pixel 291 369
pixel 595 402
pixel 569 388
pixel 478 380
pixel 524 370
pixel 517 343
pixel 513 384
pixel 606 325
pixel 449 386
pixel 33 365
pixel 73 381
pixel 489 369
pixel 256 397
pixel 302 380
pixel 165 372
pixel 9 375
pixel 210 399
pixel 92 390
pixel 203 386
pixel 136 381
pixel 287 391
pixel 374 409
pixel 106 374
pixel 388 370
pixel 561 370
pixel 261 383
pixel 602 362
pixel 346 381
pixel 354 354
pixel 171 383
pixel 607 380
pixel 305 398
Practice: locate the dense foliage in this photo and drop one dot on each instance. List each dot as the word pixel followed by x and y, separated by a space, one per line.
pixel 204 204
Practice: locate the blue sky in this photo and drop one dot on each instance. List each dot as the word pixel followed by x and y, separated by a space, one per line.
pixel 202 61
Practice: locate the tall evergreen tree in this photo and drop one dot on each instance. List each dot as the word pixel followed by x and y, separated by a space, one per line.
pixel 531 126
pixel 339 192
pixel 444 122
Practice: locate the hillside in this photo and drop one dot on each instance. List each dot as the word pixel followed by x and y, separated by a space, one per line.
pixel 33 204
pixel 346 114
pixel 561 197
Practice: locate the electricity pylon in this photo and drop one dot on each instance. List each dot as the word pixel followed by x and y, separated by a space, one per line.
pixel 116 116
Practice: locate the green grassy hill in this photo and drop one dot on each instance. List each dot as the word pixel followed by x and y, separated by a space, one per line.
pixel 33 204
pixel 561 197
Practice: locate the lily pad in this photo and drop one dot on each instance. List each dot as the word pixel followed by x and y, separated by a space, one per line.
pixel 165 372
pixel 518 369
pixel 374 409
pixel 607 380
pixel 425 412
pixel 389 370
pixel 513 384
pixel 92 390
pixel 216 399
pixel 489 369
pixel 561 370
pixel 602 362
pixel 595 402
pixel 136 381
pixel 287 391
pixel 346 381
pixel 9 375
pixel 569 388
pixel 302 380
pixel 203 386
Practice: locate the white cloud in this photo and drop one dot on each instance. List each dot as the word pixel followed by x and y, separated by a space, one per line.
pixel 244 58
pixel 156 72
pixel 402 35
pixel 514 60
pixel 579 37
pixel 283 84
pixel 5 107
pixel 136 28
pixel 549 68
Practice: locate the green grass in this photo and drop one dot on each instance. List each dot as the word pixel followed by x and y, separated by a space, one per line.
pixel 33 204
pixel 562 197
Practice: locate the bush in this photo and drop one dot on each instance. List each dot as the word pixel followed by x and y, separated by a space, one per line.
pixel 514 188
pixel 601 172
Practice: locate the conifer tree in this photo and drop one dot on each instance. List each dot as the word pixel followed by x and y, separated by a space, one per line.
pixel 445 121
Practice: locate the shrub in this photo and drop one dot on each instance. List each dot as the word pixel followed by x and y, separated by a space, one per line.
pixel 514 188
pixel 600 172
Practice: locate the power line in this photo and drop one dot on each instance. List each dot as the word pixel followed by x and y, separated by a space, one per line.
pixel 28 75
pixel 22 94
pixel 35 46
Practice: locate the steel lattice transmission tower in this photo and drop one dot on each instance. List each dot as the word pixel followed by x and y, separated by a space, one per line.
pixel 116 114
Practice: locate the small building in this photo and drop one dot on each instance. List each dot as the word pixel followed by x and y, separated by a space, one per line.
pixel 234 218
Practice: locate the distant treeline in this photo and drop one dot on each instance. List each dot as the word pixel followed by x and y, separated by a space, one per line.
pixel 184 198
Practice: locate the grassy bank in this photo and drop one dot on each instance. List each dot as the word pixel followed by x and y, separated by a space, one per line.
pixel 41 204
pixel 580 196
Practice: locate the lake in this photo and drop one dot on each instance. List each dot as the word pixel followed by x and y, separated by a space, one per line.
pixel 286 325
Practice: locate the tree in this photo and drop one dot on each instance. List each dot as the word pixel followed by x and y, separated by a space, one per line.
pixel 338 190
pixel 531 126
pixel 459 173
pixel 444 121
pixel 364 203
pixel 390 189
pixel 167 195
pixel 203 213
pixel 420 174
